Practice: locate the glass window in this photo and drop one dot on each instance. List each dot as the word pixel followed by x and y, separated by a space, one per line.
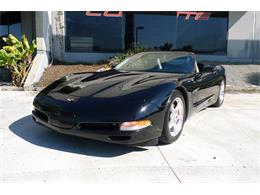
pixel 94 33
pixel 164 31
pixel 10 23
pixel 203 36
pixel 155 31
pixel 165 62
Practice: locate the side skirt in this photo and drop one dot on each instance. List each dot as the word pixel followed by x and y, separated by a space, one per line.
pixel 204 103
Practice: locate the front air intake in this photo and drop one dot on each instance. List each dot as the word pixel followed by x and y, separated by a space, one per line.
pixel 41 115
pixel 119 138
pixel 99 126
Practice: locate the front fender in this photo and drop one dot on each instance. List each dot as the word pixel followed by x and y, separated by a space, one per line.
pixel 155 105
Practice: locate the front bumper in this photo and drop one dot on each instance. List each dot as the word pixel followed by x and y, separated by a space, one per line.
pixel 112 136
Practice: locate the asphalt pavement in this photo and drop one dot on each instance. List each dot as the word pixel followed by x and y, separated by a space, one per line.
pixel 217 145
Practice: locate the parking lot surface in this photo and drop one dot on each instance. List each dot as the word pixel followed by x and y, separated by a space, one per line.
pixel 217 145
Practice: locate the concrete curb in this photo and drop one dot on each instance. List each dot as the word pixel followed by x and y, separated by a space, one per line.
pixel 243 90
pixel 14 88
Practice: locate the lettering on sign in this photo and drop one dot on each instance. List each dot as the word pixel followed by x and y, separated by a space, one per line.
pixel 105 14
pixel 197 15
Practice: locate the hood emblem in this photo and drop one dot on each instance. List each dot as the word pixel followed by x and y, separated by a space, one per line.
pixel 71 99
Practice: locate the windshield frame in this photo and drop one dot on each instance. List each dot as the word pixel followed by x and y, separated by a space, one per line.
pixel 139 55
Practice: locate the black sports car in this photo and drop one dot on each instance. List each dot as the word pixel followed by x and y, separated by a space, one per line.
pixel 147 97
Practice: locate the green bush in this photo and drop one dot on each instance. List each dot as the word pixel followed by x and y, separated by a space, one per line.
pixel 17 56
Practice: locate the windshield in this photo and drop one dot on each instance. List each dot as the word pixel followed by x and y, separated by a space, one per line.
pixel 158 62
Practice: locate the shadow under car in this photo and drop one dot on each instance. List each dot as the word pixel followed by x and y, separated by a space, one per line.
pixel 38 135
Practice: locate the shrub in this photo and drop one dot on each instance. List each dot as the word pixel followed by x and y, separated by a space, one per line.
pixel 17 56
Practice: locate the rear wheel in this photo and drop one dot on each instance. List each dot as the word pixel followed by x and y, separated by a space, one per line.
pixel 174 119
pixel 221 94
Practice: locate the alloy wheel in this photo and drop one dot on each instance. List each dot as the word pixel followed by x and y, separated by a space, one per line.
pixel 176 116
pixel 222 91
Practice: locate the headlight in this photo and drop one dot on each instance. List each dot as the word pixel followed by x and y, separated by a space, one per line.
pixel 135 125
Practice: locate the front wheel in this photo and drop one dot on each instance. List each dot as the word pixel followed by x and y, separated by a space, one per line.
pixel 174 119
pixel 221 94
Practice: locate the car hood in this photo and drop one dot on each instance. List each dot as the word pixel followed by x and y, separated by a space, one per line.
pixel 103 95
pixel 112 84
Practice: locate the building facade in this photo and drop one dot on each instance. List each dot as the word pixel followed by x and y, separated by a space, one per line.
pixel 225 37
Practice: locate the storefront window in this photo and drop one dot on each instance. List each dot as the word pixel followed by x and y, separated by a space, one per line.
pixel 10 23
pixel 94 33
pixel 155 31
pixel 151 30
pixel 203 36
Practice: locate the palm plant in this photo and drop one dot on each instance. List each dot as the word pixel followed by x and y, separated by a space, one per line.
pixel 17 56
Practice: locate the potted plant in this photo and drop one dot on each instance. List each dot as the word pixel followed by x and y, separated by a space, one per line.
pixel 17 57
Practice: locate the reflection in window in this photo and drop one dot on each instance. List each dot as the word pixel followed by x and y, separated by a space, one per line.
pixel 155 31
pixel 10 23
pixel 93 33
pixel 160 31
pixel 203 36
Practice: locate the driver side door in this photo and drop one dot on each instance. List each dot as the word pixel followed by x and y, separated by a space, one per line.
pixel 205 82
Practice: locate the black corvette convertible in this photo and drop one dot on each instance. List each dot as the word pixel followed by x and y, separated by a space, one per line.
pixel 147 97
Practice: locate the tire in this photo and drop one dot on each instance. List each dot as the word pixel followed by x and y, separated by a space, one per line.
pixel 170 132
pixel 221 94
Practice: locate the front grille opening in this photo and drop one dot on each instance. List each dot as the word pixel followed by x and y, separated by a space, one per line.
pixel 41 115
pixel 119 138
pixel 99 126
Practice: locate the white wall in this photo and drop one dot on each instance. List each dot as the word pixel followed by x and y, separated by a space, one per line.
pixel 44 47
pixel 43 31
pixel 58 28
pixel 242 35
pixel 257 38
